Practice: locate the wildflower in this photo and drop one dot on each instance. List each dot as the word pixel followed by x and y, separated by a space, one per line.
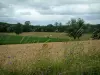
pixel 9 57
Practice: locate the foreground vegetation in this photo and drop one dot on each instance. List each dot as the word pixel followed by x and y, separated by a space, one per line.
pixel 70 58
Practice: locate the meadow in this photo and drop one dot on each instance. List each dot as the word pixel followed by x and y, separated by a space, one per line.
pixel 17 39
pixel 45 34
pixel 37 37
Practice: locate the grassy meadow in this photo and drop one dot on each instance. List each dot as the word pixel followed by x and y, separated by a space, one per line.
pixel 59 58
pixel 17 39
pixel 46 34
pixel 37 37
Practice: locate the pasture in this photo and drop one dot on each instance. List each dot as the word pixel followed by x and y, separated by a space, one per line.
pixel 37 37
pixel 17 39
pixel 55 58
pixel 45 34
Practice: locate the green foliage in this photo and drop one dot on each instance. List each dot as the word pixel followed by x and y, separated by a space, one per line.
pixel 27 27
pixel 3 26
pixel 76 28
pixel 10 28
pixel 96 34
pixel 57 27
pixel 18 28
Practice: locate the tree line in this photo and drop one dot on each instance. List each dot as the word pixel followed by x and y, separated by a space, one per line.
pixel 74 27
pixel 27 27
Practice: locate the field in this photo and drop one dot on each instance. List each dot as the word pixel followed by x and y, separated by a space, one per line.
pixel 14 39
pixel 45 34
pixel 56 58
pixel 46 53
pixel 37 37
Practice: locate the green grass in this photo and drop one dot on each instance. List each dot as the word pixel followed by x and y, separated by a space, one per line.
pixel 54 35
pixel 15 39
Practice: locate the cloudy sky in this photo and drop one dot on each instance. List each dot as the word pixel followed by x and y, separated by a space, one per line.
pixel 49 11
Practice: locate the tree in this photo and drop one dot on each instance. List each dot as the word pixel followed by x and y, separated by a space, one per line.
pixel 50 28
pixel 18 28
pixel 56 24
pixel 27 27
pixel 96 34
pixel 76 28
pixel 10 28
pixel 3 26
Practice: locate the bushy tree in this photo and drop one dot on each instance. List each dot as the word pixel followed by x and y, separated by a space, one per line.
pixel 27 27
pixel 76 28
pixel 18 28
pixel 10 28
pixel 96 34
pixel 3 26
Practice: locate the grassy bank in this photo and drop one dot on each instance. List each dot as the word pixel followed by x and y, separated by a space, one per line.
pixel 71 58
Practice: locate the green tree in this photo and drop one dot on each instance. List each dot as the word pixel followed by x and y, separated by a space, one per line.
pixel 18 28
pixel 10 28
pixel 3 26
pixel 96 34
pixel 76 28
pixel 27 26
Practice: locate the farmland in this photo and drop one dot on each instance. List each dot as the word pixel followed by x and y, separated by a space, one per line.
pixel 48 53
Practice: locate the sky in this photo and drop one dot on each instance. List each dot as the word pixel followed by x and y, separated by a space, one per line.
pixel 49 11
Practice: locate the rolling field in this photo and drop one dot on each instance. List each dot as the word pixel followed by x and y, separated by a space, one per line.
pixel 55 58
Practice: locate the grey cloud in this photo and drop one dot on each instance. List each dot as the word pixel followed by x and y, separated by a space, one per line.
pixel 47 3
pixel 92 17
pixel 25 13
pixel 50 7
pixel 72 9
pixel 8 19
pixel 6 10
pixel 2 6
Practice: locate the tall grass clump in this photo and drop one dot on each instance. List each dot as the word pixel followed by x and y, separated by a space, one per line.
pixel 83 58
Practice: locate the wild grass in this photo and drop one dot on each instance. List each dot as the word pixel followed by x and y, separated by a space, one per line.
pixel 69 58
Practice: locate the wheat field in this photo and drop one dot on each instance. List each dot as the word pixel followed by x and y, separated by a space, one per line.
pixel 79 57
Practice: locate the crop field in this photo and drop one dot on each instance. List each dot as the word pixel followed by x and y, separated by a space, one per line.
pixel 55 58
